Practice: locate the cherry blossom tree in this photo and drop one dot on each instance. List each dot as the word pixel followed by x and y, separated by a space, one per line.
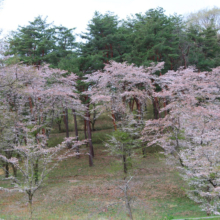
pixel 112 90
pixel 29 101
pixel 47 159
pixel 114 87
pixel 190 132
pixel 35 96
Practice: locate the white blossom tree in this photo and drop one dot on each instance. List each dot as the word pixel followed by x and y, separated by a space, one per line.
pixel 29 100
pixel 113 89
pixel 190 132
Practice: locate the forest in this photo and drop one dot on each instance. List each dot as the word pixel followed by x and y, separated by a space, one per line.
pixel 122 124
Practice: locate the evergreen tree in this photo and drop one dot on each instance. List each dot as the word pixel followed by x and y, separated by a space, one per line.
pixel 41 42
pixel 155 38
pixel 205 48
pixel 100 39
pixel 65 44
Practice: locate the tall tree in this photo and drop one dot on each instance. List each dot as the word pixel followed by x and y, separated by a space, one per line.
pixel 100 40
pixel 41 42
pixel 205 48
pixel 155 38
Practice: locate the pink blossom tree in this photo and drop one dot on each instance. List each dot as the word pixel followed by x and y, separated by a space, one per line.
pixel 112 90
pixel 114 87
pixel 190 132
pixel 29 100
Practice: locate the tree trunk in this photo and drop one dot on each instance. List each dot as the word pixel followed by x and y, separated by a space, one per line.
pixel 59 126
pixel 30 198
pixel 75 124
pixel 91 152
pixel 6 169
pixel 30 104
pixel 8 155
pixel 85 128
pixel 90 123
pixel 158 107
pixel 66 122
pixel 94 119
pixel 14 170
pixel 89 132
pixel 36 172
pixel 155 108
pixel 124 162
pixel 164 105
pixel 127 202
pixel 76 130
pixel 138 104
pixel 93 125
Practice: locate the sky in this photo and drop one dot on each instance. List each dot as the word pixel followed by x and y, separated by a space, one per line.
pixel 77 13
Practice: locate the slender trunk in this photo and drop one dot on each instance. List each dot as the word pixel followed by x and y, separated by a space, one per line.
pixel 127 199
pixel 89 132
pixel 164 105
pixel 30 198
pixel 138 104
pixel 59 126
pixel 132 105
pixel 85 128
pixel 75 124
pixel 128 205
pixel 67 122
pixel 76 130
pixel 124 162
pixel 14 170
pixel 94 119
pixel 184 55
pixel 6 169
pixel 30 104
pixel 91 153
pixel 155 108
pixel 129 104
pixel 8 156
pixel 167 103
pixel 158 107
pixel 90 123
pixel 93 125
pixel 36 172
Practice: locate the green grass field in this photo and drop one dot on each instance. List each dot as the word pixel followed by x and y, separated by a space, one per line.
pixel 76 191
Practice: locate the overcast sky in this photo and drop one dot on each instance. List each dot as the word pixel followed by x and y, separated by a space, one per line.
pixel 77 13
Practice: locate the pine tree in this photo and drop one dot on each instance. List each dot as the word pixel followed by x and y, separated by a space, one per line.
pixel 155 38
pixel 100 41
pixel 41 42
pixel 205 48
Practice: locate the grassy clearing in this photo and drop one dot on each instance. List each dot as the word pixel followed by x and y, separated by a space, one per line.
pixel 75 191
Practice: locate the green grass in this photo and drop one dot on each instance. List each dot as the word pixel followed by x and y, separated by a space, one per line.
pixel 76 191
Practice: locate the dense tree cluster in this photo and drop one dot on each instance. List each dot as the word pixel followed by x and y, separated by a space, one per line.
pixel 141 39
pixel 121 67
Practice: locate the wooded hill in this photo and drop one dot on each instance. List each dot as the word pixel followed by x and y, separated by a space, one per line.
pixel 122 69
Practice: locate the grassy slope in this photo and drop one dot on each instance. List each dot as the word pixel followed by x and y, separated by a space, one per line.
pixel 75 191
